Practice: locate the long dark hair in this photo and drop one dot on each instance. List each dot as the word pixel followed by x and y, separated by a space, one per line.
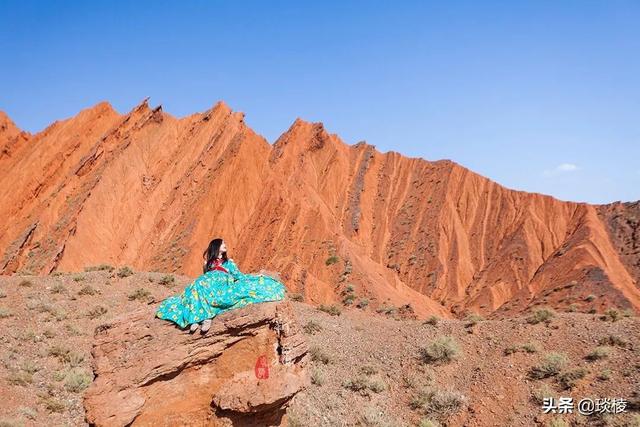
pixel 211 254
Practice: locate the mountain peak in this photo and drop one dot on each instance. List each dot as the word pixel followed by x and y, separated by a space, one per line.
pixel 7 126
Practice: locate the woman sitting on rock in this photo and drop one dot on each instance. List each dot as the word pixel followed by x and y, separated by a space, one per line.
pixel 222 287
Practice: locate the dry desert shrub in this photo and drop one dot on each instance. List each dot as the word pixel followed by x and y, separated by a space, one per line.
pixel 20 378
pixel 52 404
pixel 529 347
pixel 101 267
pixel 319 355
pixel 58 289
pixel 364 384
pixel 311 327
pixel 296 297
pixel 139 294
pixel 604 375
pixel 332 260
pixel 168 281
pixel 611 314
pixel 432 320
pixel 438 403
pixel 614 341
pixel 552 364
pixel 541 315
pixel 87 290
pixel 441 350
pixel 330 309
pixel 472 319
pixel 77 380
pixel 96 312
pixel 362 303
pixel 541 394
pixel 598 353
pixel 569 379
pixel 124 272
pixel 376 417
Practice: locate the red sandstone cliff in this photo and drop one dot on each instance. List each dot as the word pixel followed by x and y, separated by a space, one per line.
pixel 150 190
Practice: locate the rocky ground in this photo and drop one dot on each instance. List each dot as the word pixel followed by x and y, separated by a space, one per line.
pixel 368 368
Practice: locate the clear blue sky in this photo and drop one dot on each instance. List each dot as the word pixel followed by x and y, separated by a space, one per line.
pixel 539 96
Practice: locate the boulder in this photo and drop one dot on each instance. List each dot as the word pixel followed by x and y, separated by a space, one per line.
pixel 244 371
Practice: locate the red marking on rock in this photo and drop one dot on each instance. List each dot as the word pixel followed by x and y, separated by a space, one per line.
pixel 262 368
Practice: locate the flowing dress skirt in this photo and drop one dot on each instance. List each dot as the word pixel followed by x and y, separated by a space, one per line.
pixel 216 292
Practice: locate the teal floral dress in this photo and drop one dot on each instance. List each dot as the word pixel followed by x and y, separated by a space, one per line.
pixel 217 291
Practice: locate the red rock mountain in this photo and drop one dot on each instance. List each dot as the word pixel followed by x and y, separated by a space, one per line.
pixel 149 190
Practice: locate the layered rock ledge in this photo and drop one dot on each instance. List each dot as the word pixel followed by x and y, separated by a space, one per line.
pixel 244 371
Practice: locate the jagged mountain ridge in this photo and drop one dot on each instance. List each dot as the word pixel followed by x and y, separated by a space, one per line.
pixel 149 190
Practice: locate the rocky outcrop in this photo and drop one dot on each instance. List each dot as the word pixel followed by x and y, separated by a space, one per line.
pixel 243 371
pixel 149 190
